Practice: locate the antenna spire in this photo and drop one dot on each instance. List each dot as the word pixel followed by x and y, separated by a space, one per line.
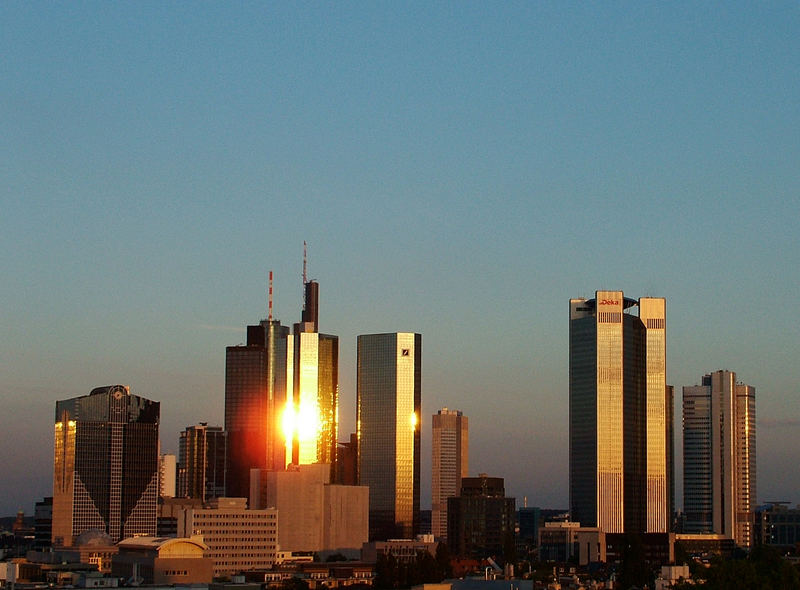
pixel 305 260
pixel 270 296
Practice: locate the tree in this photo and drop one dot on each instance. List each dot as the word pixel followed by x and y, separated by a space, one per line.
pixel 294 584
pixel 443 562
pixel 634 571
pixel 386 573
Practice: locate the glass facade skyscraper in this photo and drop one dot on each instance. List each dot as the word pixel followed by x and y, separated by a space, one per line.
pixel 618 414
pixel 389 383
pixel 257 378
pixel 450 463
pixel 202 456
pixel 719 457
pixel 106 465
pixel 316 397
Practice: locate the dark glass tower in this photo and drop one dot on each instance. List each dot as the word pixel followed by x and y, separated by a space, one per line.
pixel 480 521
pixel 202 456
pixel 389 383
pixel 257 376
pixel 106 465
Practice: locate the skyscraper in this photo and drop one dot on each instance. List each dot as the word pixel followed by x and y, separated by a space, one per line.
pixel 316 396
pixel 202 456
pixel 618 414
pixel 316 387
pixel 258 376
pixel 388 391
pixel 167 475
pixel 450 464
pixel 106 465
pixel 719 457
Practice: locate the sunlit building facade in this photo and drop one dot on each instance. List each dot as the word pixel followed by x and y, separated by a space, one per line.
pixel 316 396
pixel 202 456
pixel 106 465
pixel 450 463
pixel 257 378
pixel 389 383
pixel 619 419
pixel 238 539
pixel 719 457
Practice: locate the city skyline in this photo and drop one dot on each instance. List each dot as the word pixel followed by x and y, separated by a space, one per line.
pixel 458 172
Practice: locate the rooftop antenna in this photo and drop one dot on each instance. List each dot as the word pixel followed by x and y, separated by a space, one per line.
pixel 270 296
pixel 305 261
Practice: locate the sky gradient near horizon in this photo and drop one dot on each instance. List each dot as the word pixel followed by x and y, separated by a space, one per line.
pixel 458 169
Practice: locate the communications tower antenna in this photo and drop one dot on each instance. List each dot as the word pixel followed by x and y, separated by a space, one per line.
pixel 270 296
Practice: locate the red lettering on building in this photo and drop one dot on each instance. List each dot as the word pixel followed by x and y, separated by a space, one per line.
pixel 609 302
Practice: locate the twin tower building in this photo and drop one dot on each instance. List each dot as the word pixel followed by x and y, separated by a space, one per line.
pixel 621 459
pixel 281 408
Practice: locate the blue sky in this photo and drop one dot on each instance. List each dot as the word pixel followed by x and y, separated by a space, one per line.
pixel 458 169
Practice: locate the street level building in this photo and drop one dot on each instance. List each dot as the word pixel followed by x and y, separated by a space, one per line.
pixel 618 408
pixel 777 524
pixel 388 391
pixel 481 520
pixel 106 465
pixel 719 457
pixel 450 444
pixel 163 561
pixel 238 539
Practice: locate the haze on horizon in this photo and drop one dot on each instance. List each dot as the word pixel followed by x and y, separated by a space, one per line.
pixel 458 170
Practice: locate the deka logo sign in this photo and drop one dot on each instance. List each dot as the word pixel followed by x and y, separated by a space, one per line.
pixel 609 302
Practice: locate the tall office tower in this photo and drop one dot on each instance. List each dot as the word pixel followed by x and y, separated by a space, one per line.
pixel 106 465
pixel 316 396
pixel 202 455
pixel 618 413
pixel 719 457
pixel 167 475
pixel 388 392
pixel 258 376
pixel 670 407
pixel 316 385
pixel 450 464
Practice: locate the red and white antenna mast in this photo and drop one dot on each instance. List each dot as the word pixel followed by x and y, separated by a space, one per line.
pixel 270 296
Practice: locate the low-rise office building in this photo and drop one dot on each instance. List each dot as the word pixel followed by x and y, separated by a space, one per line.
pixel 238 539
pixel 403 550
pixel 162 560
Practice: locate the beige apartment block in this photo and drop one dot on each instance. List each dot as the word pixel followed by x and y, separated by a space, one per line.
pixel 238 539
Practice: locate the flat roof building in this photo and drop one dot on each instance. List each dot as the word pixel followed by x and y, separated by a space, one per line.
pixel 389 393
pixel 618 414
pixel 106 465
pixel 450 463
pixel 719 457
pixel 238 539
